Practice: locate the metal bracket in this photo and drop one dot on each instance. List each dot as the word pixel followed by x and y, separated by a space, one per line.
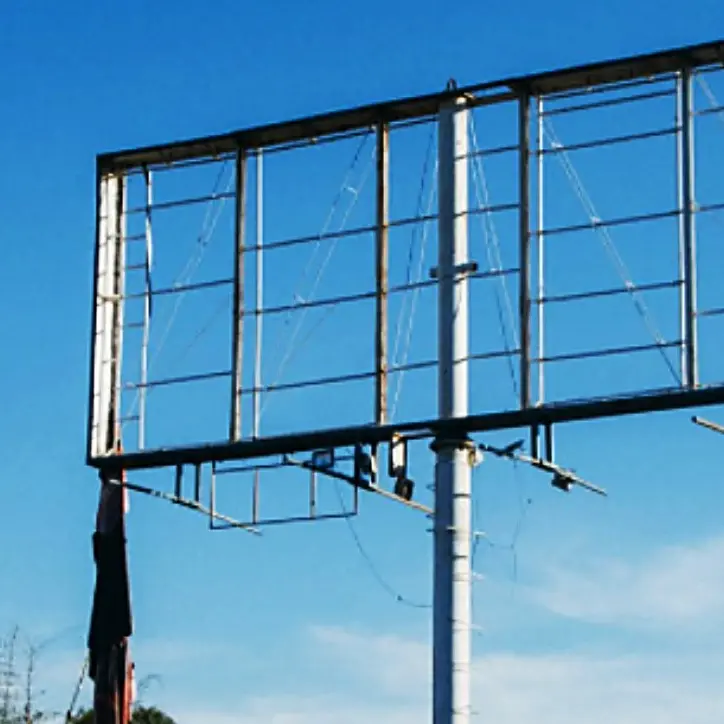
pixel 715 427
pixel 563 478
pixel 358 484
pixel 469 267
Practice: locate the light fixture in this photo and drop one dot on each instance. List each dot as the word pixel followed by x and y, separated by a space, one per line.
pixel 397 457
pixel 562 481
pixel 365 467
pixel 323 459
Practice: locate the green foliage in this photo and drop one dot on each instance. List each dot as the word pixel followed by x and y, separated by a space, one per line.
pixel 19 695
pixel 141 715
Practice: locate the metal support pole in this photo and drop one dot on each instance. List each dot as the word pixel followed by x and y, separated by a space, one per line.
pixel 259 299
pixel 540 143
pixel 143 390
pixel 238 301
pixel 381 277
pixel 100 393
pixel 687 231
pixel 119 283
pixel 524 242
pixel 258 319
pixel 452 601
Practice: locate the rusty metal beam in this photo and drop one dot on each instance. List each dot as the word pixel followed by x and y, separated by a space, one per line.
pixel 593 74
pixel 238 302
pixel 550 414
pixel 381 274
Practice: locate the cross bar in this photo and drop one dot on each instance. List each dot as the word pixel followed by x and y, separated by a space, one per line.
pixel 554 413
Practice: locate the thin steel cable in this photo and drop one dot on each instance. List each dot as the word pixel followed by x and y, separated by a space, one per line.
pixel 413 308
pixel 714 103
pixel 184 278
pixel 709 93
pixel 491 234
pixel 216 314
pixel 297 297
pixel 344 186
pixel 193 264
pixel 609 245
pixel 411 248
pixel 491 239
pixel 208 226
pixel 292 350
pixel 420 271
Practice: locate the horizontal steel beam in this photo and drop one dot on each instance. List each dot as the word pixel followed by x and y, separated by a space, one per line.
pixel 658 401
pixel 340 122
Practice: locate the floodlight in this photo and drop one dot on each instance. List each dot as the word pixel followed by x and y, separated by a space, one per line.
pixel 562 481
pixel 323 459
pixel 404 488
pixel 397 458
pixel 365 467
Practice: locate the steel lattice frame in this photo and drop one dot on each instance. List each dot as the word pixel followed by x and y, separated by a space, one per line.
pixel 529 93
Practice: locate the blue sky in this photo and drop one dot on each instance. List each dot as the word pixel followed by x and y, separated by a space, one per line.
pixel 609 595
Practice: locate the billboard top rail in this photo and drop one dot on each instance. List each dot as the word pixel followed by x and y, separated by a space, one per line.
pixel 343 121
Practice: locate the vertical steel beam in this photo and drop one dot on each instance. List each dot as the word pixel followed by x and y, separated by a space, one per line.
pixel 312 494
pixel 238 300
pixel 143 390
pixel 109 307
pixel 524 246
pixel 117 258
pixel 452 527
pixel 258 322
pixel 680 246
pixel 197 483
pixel 687 228
pixel 381 273
pixel 540 248
pixel 259 295
pixel 96 392
pixel 212 495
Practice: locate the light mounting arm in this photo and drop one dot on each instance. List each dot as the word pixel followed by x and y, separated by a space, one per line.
pixel 563 478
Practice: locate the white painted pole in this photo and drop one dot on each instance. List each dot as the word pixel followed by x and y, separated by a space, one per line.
pixel 452 600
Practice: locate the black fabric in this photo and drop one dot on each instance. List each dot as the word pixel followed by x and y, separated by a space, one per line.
pixel 111 619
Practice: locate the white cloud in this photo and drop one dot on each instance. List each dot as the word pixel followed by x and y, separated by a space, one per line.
pixel 675 586
pixel 360 676
pixel 357 676
pixel 388 680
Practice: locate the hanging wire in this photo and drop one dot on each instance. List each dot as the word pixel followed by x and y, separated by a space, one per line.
pixel 609 245
pixel 402 362
pixel 369 561
pixel 495 262
pixel 366 557
pixel 524 503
